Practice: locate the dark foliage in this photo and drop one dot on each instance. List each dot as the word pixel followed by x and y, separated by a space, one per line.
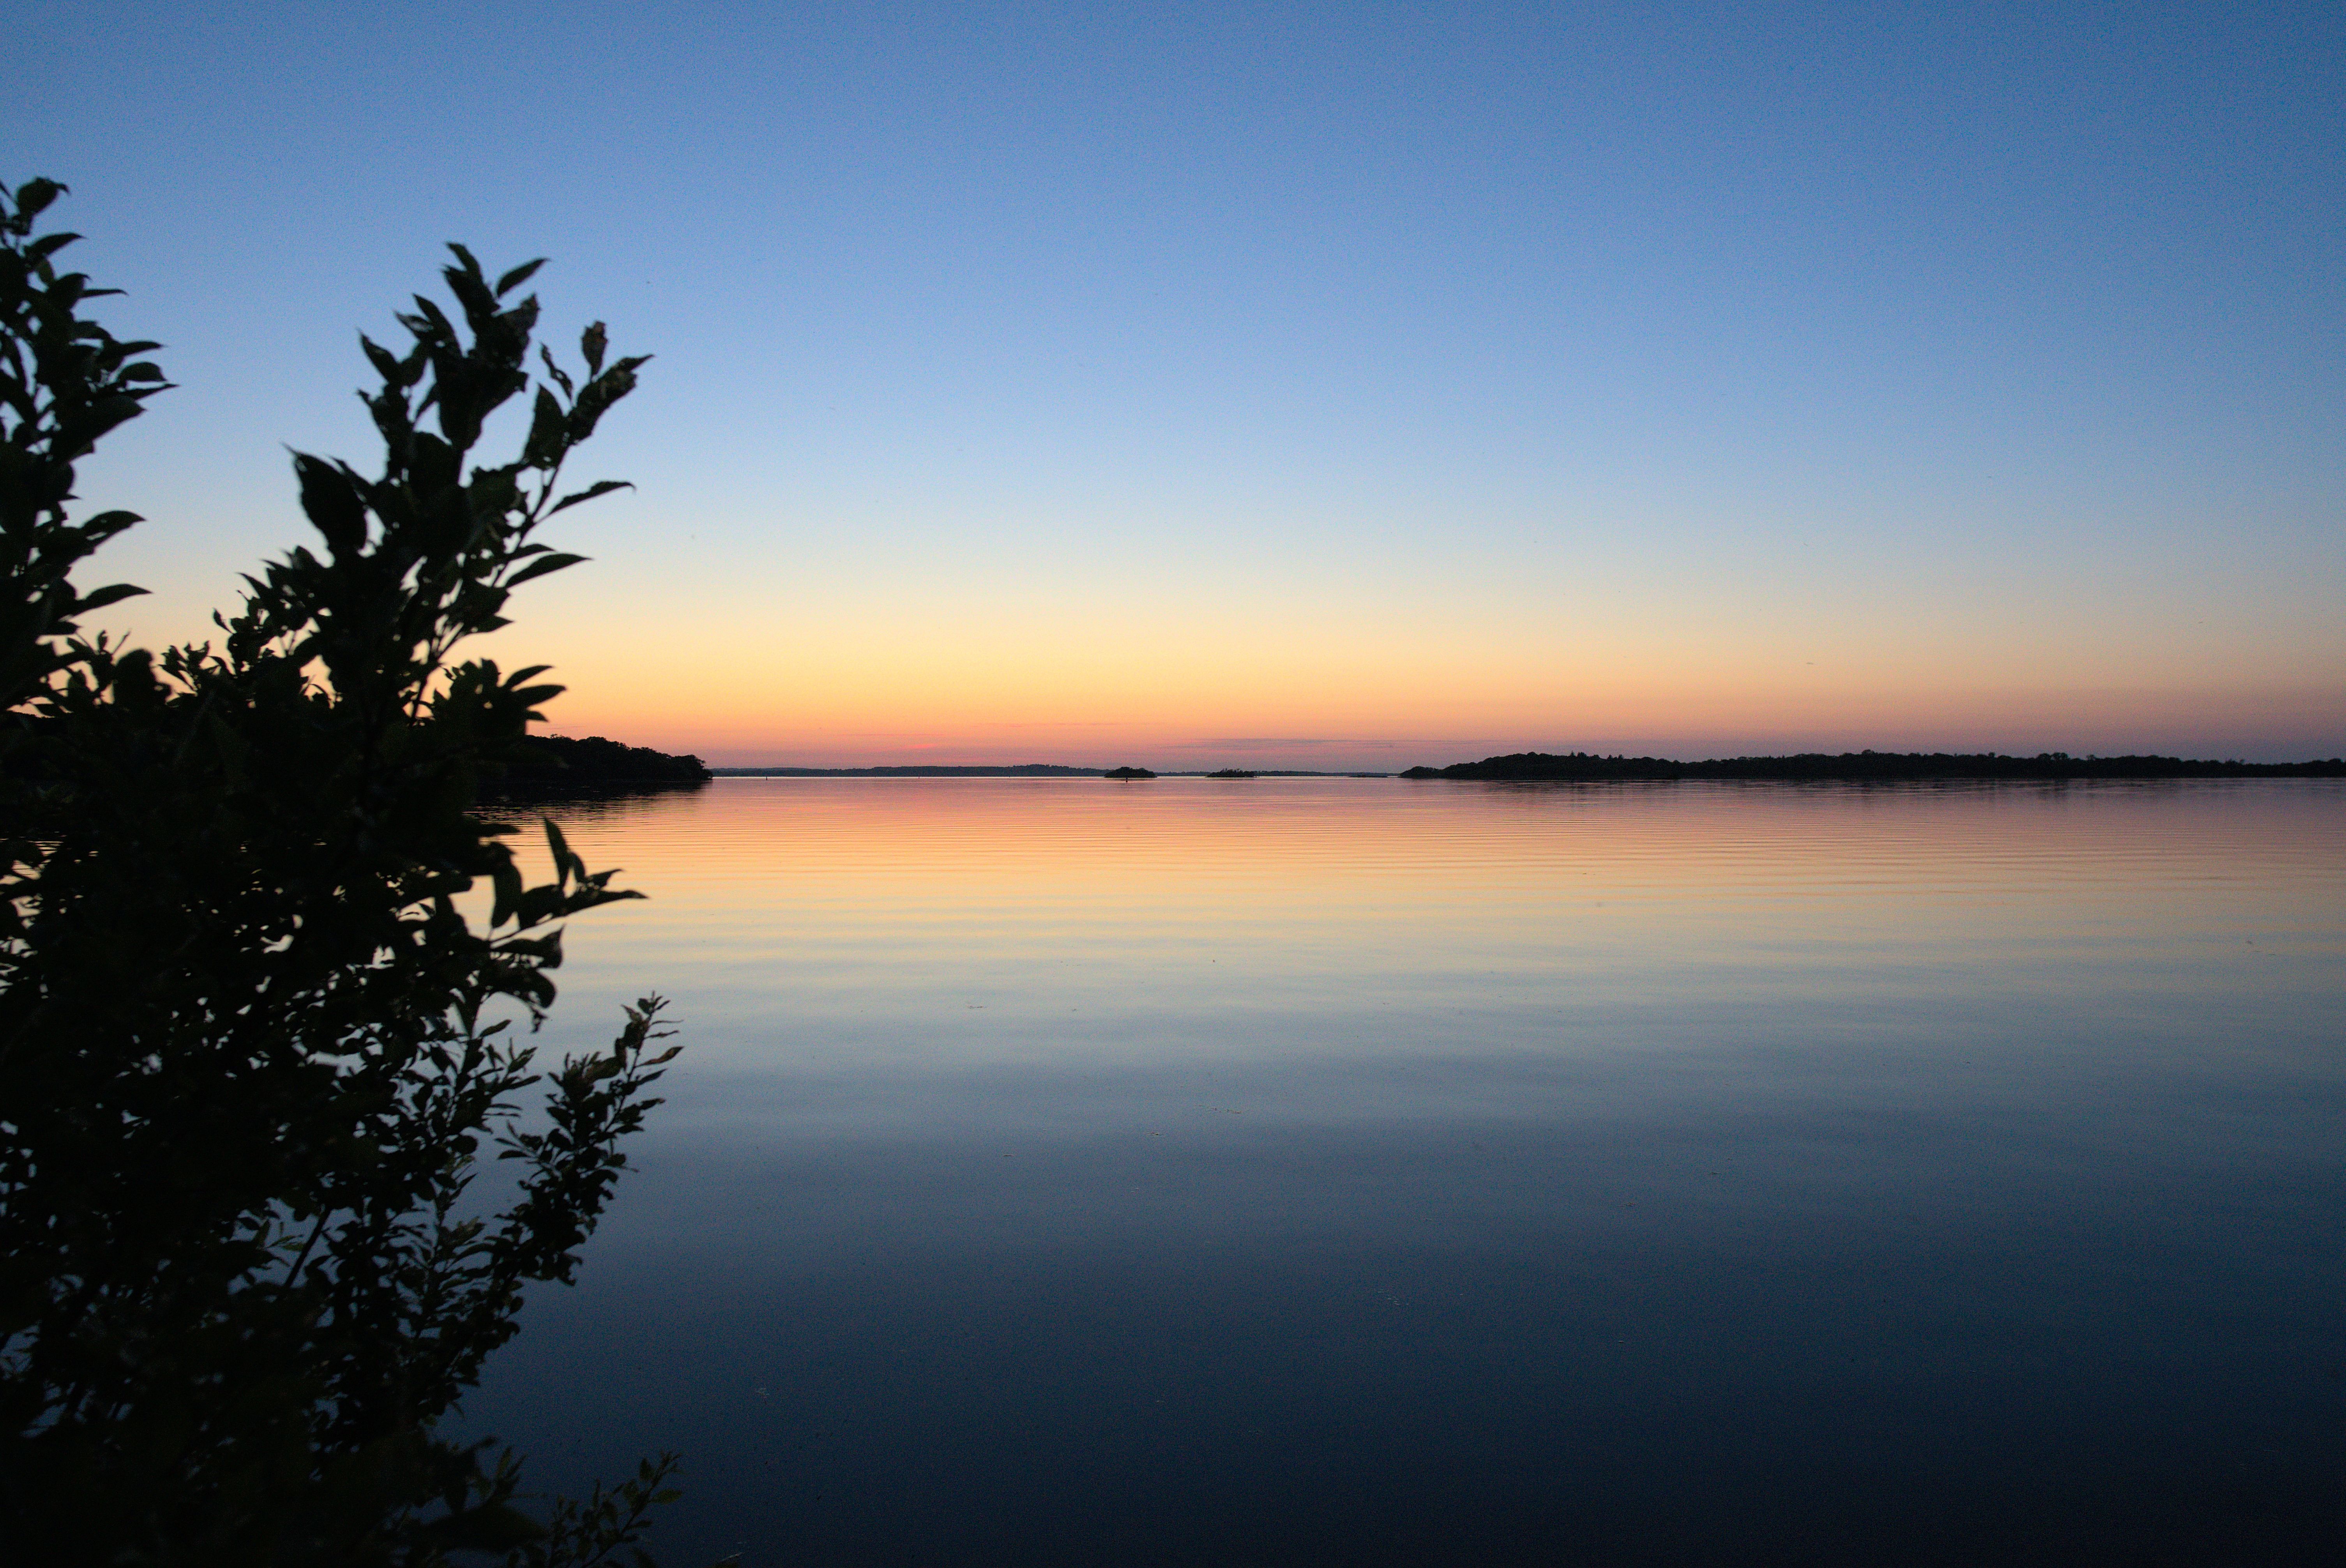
pixel 251 1050
pixel 1887 766
pixel 1129 773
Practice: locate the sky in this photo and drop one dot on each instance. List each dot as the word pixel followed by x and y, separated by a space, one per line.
pixel 1311 386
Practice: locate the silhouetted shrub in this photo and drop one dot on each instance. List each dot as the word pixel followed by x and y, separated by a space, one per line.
pixel 250 1048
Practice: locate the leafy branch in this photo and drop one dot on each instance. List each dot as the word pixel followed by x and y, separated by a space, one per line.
pixel 252 1048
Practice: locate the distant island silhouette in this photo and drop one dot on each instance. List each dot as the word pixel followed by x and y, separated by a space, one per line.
pixel 561 761
pixel 1232 773
pixel 1871 764
pixel 1127 773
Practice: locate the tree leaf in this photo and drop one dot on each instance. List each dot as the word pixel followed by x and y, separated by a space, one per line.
pixel 600 487
pixel 542 566
pixel 519 276
pixel 98 598
pixel 333 505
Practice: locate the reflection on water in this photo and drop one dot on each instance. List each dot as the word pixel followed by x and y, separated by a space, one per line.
pixel 1361 1171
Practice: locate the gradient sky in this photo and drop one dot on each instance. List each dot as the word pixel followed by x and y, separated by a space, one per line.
pixel 1309 385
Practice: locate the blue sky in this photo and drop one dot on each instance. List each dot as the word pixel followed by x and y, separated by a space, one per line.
pixel 1359 383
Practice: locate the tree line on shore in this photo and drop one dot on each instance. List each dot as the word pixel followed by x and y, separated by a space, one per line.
pixel 559 761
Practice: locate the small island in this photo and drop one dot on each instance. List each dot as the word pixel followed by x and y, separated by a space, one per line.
pixel 1232 773
pixel 1127 773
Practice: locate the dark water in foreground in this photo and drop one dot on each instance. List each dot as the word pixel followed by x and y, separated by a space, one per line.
pixel 1360 1172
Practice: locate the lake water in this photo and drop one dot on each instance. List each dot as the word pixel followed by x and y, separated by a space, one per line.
pixel 1302 1171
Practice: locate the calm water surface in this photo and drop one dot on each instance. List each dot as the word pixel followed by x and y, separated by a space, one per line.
pixel 1363 1172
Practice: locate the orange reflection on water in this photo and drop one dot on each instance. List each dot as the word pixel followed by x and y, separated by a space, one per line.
pixel 988 919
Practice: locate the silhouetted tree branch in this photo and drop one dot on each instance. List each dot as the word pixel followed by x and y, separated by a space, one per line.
pixel 252 1051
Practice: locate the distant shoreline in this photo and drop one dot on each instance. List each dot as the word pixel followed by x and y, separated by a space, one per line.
pixel 1025 770
pixel 1587 767
pixel 1869 767
pixel 560 764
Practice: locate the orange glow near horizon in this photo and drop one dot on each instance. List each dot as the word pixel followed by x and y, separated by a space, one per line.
pixel 1059 670
pixel 1413 716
